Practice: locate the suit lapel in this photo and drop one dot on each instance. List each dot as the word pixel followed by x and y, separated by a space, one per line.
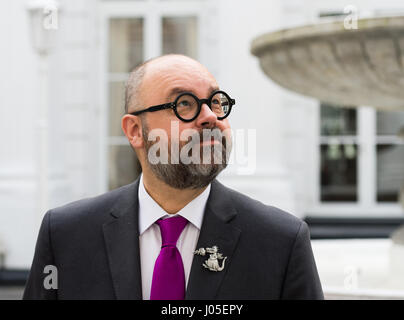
pixel 216 230
pixel 121 236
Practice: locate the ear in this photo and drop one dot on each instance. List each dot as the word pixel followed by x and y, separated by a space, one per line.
pixel 132 127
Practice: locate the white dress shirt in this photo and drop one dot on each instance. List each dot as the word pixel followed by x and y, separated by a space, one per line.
pixel 150 236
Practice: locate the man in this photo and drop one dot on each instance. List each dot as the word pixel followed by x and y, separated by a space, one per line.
pixel 175 232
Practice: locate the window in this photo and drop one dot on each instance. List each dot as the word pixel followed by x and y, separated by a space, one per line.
pixel 338 154
pixel 137 31
pixel 361 161
pixel 180 36
pixel 390 156
pixel 125 52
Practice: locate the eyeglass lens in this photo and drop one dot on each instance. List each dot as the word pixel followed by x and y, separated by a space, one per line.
pixel 187 106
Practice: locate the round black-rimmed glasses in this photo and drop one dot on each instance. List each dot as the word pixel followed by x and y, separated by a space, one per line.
pixel 187 106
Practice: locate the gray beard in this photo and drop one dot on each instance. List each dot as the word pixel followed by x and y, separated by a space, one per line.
pixel 187 176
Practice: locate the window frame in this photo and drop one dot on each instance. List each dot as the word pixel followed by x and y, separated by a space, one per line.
pixel 367 205
pixel 152 12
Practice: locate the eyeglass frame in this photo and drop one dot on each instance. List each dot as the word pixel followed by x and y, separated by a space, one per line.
pixel 173 105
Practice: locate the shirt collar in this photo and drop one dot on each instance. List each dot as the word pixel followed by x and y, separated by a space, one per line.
pixel 150 211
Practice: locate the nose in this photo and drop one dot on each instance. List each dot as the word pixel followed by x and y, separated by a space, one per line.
pixel 206 118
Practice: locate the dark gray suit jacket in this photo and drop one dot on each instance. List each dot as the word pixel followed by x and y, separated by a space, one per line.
pixel 94 243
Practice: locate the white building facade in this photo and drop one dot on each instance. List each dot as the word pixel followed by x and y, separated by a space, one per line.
pixel 97 43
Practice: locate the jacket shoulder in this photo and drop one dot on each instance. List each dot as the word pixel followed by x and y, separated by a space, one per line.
pixel 93 208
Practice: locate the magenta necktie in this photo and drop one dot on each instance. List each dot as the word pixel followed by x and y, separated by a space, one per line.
pixel 168 276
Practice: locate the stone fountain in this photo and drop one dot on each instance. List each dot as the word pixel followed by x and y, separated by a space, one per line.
pixel 351 67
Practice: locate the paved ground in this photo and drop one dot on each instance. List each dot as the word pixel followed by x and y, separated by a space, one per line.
pixel 11 293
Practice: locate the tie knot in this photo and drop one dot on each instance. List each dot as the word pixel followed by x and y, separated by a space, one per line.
pixel 171 229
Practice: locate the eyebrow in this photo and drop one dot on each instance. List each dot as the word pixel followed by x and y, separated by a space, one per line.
pixel 178 90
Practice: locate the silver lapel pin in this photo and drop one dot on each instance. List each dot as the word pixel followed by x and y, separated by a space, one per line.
pixel 214 256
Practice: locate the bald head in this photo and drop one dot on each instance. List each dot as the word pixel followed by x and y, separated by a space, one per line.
pixel 133 87
pixel 145 78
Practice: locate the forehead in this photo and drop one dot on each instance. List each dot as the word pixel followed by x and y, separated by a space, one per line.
pixel 170 75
